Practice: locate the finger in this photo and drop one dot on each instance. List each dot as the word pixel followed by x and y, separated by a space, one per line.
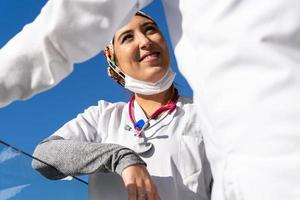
pixel 132 191
pixel 152 193
pixel 153 196
pixel 141 193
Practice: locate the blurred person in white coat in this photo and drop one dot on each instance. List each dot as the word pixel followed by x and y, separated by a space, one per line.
pixel 240 57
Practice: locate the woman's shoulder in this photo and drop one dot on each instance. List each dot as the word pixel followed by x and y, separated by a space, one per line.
pixel 188 105
pixel 105 104
pixel 186 101
pixel 104 107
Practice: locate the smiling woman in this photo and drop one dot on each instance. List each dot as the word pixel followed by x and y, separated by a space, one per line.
pixel 157 124
pixel 142 50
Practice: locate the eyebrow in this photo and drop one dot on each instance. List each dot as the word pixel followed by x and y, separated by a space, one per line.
pixel 130 30
pixel 149 22
pixel 123 33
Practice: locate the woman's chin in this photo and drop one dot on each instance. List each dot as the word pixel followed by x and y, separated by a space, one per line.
pixel 155 74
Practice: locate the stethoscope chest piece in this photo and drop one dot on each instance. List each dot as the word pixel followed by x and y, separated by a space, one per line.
pixel 142 146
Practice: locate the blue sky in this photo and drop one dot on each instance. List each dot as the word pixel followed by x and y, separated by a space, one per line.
pixel 25 123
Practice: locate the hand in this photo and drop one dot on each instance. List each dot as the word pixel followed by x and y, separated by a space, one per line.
pixel 139 184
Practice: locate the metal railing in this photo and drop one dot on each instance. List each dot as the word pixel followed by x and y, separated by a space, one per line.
pixel 18 181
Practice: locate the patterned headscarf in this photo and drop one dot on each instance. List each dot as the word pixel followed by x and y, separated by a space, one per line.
pixel 113 70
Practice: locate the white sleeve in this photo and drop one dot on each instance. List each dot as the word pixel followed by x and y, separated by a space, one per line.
pixel 82 128
pixel 64 33
pixel 91 124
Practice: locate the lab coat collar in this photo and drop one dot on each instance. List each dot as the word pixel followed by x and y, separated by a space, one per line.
pixel 155 123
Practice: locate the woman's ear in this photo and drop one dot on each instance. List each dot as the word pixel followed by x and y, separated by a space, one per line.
pixel 116 76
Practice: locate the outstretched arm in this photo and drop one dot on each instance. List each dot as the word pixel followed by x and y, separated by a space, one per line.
pixel 64 33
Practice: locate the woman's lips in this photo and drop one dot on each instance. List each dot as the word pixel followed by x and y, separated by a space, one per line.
pixel 150 57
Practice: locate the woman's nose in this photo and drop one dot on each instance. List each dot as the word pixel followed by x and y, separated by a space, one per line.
pixel 145 42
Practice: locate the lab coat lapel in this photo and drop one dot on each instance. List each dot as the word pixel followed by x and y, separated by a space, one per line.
pixel 155 124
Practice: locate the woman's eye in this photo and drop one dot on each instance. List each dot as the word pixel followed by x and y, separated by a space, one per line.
pixel 150 29
pixel 126 38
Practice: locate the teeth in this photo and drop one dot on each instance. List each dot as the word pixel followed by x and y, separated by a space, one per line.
pixel 152 55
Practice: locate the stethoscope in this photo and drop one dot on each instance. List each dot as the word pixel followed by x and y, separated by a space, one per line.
pixel 143 145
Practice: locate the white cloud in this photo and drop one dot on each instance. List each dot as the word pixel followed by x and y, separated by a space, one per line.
pixel 7 154
pixel 11 192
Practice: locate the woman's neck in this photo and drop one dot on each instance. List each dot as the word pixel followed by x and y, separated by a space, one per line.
pixel 150 103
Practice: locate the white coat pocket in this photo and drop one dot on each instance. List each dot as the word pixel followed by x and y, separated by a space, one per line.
pixel 190 150
pixel 193 164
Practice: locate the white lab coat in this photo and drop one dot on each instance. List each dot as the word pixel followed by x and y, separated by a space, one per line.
pixel 242 61
pixel 177 164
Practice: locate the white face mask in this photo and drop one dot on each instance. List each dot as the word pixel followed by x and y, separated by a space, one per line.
pixel 148 88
